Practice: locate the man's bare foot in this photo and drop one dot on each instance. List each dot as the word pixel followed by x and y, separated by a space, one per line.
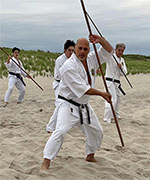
pixel 90 158
pixel 45 164
pixel 18 102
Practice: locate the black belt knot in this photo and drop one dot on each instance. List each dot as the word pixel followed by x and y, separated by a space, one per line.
pixel 80 106
pixel 57 80
pixel 116 81
pixel 113 80
pixel 18 76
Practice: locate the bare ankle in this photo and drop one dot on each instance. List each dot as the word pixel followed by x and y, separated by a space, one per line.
pixel 45 164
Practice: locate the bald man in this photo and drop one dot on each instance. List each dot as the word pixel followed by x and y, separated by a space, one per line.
pixel 77 84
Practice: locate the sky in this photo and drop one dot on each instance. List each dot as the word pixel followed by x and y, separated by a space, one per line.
pixel 47 24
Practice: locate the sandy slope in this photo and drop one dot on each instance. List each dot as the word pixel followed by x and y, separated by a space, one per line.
pixel 23 136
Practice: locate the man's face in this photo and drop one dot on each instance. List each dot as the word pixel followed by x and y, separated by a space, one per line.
pixel 119 51
pixel 82 49
pixel 16 53
pixel 69 51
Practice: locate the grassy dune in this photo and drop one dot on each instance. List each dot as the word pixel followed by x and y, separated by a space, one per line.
pixel 35 62
pixel 42 63
pixel 137 63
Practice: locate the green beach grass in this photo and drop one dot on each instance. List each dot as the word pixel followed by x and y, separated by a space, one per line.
pixel 41 63
pixel 36 63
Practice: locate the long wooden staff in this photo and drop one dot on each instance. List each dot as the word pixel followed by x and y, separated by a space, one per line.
pixel 94 46
pixel 112 55
pixel 22 69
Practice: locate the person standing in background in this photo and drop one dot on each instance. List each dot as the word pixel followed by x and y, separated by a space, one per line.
pixel 68 50
pixel 15 78
pixel 113 73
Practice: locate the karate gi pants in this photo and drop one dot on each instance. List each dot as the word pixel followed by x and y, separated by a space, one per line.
pixel 13 81
pixel 115 93
pixel 52 121
pixel 65 121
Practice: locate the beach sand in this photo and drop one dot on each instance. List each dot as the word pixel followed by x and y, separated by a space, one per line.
pixel 23 136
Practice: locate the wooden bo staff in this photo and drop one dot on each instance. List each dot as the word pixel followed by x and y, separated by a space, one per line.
pixel 98 59
pixel 112 55
pixel 22 69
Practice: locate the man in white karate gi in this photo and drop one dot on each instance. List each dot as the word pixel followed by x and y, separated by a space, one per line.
pixel 77 84
pixel 68 50
pixel 15 78
pixel 113 73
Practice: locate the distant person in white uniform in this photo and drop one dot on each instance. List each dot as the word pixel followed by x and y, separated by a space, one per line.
pixel 15 78
pixel 68 50
pixel 113 73
pixel 77 85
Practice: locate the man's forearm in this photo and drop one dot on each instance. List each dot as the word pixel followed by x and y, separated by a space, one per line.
pixel 93 91
pixel 105 95
pixel 106 45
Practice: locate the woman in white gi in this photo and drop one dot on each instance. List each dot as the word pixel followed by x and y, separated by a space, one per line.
pixel 77 84
pixel 113 74
pixel 15 76
pixel 68 50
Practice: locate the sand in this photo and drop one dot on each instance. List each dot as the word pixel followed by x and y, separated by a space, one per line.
pixel 23 136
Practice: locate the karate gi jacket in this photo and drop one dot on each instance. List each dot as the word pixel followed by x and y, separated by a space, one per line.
pixel 58 63
pixel 12 67
pixel 74 82
pixel 112 70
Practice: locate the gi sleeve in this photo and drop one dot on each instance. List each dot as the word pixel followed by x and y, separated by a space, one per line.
pixel 104 56
pixel 75 82
pixel 22 72
pixel 57 67
pixel 123 66
pixel 8 66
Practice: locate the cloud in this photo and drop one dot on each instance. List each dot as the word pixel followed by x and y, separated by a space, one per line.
pixel 36 24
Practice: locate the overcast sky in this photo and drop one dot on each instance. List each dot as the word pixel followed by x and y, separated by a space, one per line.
pixel 47 24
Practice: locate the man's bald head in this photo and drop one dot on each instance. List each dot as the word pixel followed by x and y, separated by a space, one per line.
pixel 82 41
pixel 82 48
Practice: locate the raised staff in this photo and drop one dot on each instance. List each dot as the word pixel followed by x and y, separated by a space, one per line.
pixel 112 55
pixel 100 67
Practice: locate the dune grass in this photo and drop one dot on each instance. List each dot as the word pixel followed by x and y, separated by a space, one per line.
pixel 42 63
pixel 137 64
pixel 35 62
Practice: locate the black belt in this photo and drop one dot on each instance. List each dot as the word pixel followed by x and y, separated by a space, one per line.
pixel 80 106
pixel 57 80
pixel 18 76
pixel 116 81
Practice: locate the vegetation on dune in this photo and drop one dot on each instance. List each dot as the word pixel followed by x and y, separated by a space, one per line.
pixel 137 63
pixel 35 62
pixel 42 63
